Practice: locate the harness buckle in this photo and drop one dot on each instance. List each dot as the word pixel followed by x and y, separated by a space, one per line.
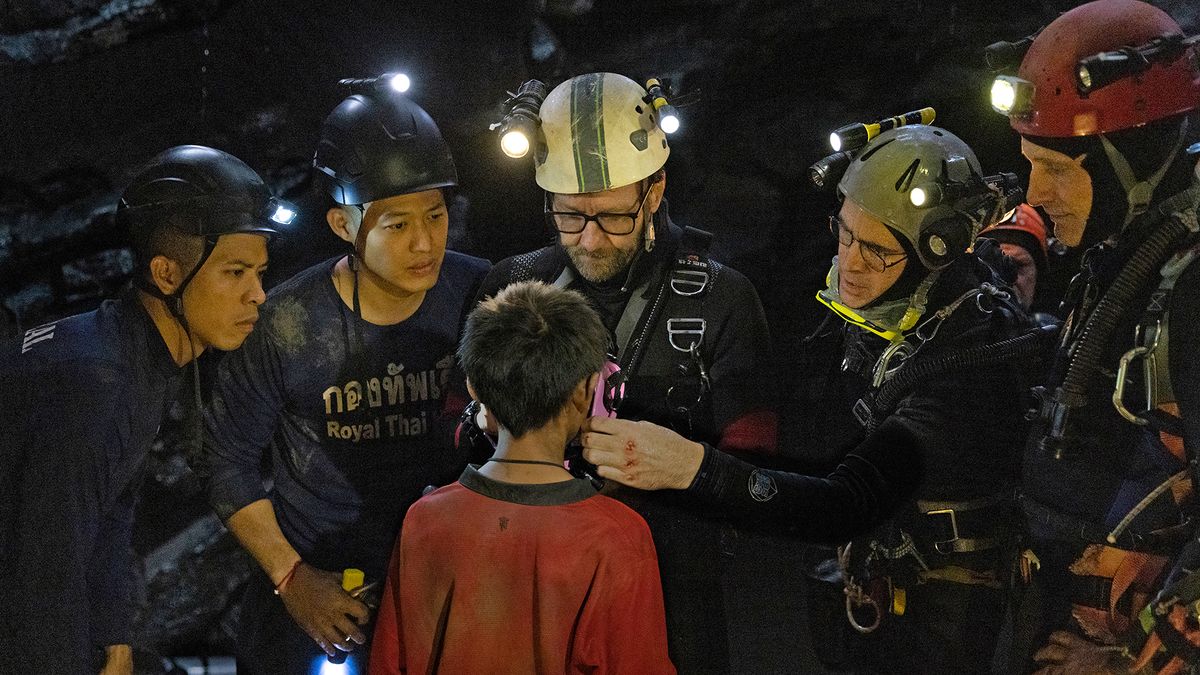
pixel 689 283
pixel 863 414
pixel 685 327
pixel 946 546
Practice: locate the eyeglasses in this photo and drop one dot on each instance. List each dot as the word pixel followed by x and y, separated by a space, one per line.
pixel 572 222
pixel 872 255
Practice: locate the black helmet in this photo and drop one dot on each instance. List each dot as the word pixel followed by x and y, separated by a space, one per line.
pixel 377 145
pixel 201 191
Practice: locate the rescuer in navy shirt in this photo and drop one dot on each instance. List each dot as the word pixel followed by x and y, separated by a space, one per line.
pixel 83 397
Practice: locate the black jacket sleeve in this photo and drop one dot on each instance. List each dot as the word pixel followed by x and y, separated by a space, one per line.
pixel 870 483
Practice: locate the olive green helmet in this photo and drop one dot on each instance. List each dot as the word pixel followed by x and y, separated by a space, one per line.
pixel 882 177
pixel 598 132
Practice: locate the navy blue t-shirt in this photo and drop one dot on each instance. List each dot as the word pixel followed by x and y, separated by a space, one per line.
pixel 359 416
pixel 80 405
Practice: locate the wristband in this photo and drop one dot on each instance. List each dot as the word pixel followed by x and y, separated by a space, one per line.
pixel 287 577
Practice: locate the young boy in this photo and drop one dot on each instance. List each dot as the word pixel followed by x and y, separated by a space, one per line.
pixel 519 566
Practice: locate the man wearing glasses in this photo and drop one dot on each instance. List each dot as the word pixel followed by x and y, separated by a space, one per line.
pixel 926 400
pixel 688 333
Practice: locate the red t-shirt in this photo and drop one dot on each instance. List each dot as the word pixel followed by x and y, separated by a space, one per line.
pixel 492 577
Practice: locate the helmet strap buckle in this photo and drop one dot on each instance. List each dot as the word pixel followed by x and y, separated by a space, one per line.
pixel 1138 194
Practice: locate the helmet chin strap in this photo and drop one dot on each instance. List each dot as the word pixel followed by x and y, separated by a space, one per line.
pixel 1138 194
pixel 356 262
pixel 648 234
pixel 360 233
pixel 174 303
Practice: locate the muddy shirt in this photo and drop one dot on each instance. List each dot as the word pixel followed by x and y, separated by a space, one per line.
pixel 358 416
pixel 495 577
pixel 80 406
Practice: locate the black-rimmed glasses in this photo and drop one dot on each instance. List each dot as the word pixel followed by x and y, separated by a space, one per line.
pixel 572 222
pixel 872 255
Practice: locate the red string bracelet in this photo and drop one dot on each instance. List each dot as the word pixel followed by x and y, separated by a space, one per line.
pixel 287 577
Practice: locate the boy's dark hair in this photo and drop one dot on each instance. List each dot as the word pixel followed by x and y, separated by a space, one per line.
pixel 526 349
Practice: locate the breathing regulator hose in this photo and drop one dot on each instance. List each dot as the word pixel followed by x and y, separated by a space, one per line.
pixel 1028 343
pixel 1093 338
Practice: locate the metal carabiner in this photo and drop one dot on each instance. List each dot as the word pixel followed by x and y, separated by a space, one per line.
pixel 1139 352
pixel 860 599
pixel 883 369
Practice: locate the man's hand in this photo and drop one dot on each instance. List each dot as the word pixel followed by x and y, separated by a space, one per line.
pixel 324 611
pixel 641 454
pixel 118 660
pixel 1069 654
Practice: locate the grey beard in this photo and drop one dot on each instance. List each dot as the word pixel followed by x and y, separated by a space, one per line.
pixel 599 269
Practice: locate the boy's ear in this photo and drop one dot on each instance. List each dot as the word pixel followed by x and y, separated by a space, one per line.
pixel 471 390
pixel 582 397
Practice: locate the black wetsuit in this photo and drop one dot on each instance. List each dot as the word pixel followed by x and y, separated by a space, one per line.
pixel 955 437
pixel 1109 464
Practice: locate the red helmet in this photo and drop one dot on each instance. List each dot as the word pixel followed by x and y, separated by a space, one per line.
pixel 1026 220
pixel 1053 105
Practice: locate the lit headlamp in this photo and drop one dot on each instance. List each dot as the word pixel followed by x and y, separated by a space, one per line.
pixel 1100 70
pixel 202 211
pixel 1012 96
pixel 848 140
pixel 1004 186
pixel 388 82
pixel 521 118
pixel 668 118
pixel 279 211
pixel 854 136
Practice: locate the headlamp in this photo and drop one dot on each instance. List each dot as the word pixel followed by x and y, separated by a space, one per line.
pixel 926 196
pixel 521 120
pixel 851 138
pixel 393 82
pixel 828 171
pixel 399 82
pixel 1003 55
pixel 282 213
pixel 1004 186
pixel 855 136
pixel 1012 96
pixel 668 118
pixel 1101 70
